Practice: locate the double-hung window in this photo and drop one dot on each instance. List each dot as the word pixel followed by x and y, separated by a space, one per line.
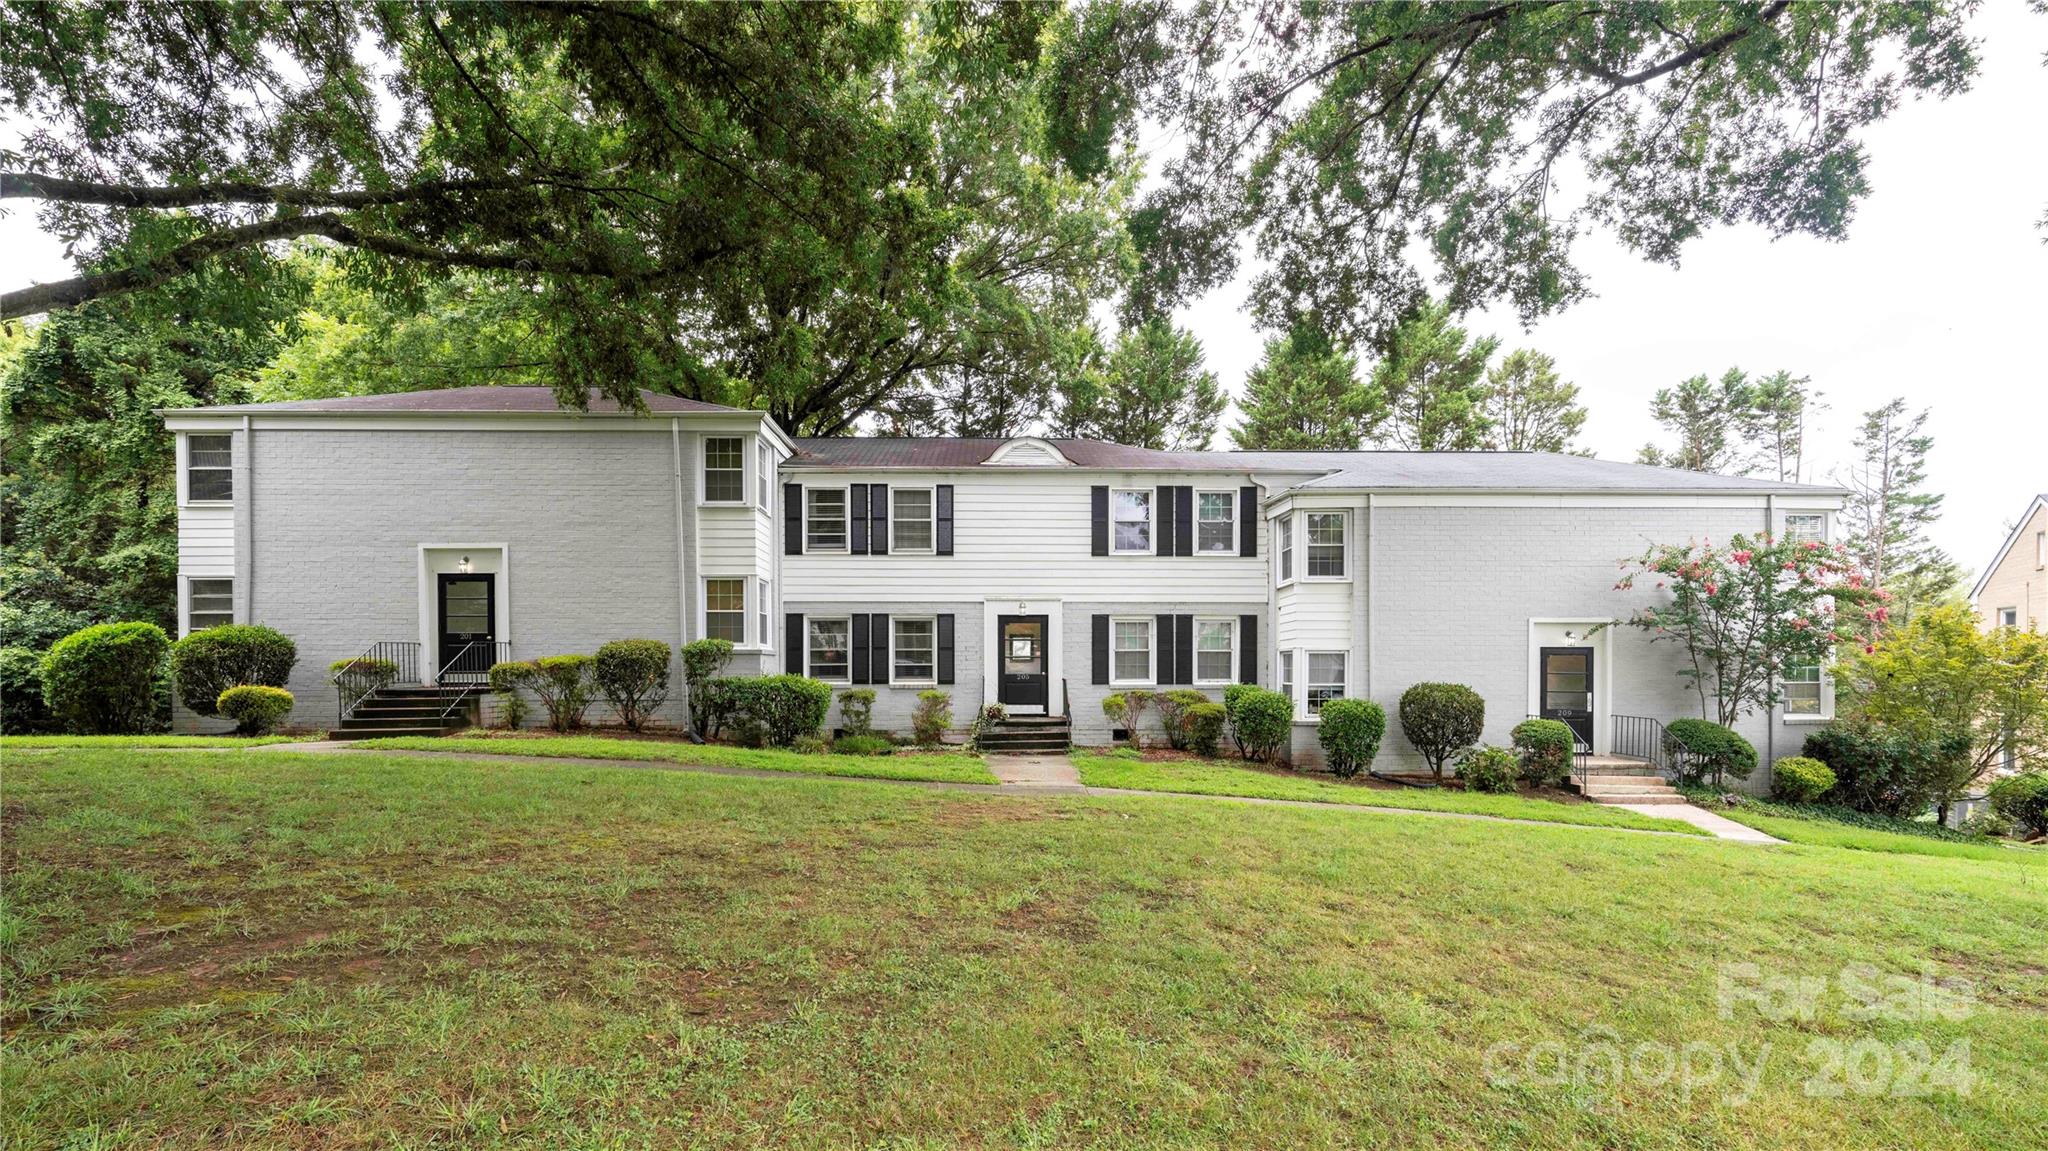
pixel 1326 545
pixel 209 474
pixel 910 524
pixel 725 608
pixel 764 469
pixel 725 470
pixel 1130 514
pixel 208 602
pixel 1215 650
pixel 1325 679
pixel 2041 549
pixel 830 641
pixel 761 615
pixel 1806 528
pixel 1801 684
pixel 1130 659
pixel 1216 523
pixel 825 519
pixel 913 646
pixel 1285 526
pixel 1287 678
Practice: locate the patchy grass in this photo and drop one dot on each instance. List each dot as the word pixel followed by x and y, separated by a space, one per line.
pixel 30 742
pixel 368 950
pixel 941 767
pixel 1208 777
pixel 1827 833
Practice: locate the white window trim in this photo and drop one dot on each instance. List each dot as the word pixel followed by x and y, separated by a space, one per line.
pixel 1151 522
pixel 2040 550
pixel 1801 513
pixel 1284 576
pixel 845 520
pixel 763 615
pixel 764 473
pixel 185 600
pixel 809 622
pixel 704 471
pixel 1230 676
pixel 931 521
pixel 746 604
pixel 1308 681
pixel 1151 651
pixel 2001 613
pixel 185 474
pixel 1307 547
pixel 1286 661
pixel 1826 714
pixel 1228 494
pixel 914 682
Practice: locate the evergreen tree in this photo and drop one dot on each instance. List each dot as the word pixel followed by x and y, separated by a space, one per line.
pixel 1889 510
pixel 1306 396
pixel 1528 409
pixel 1433 381
pixel 1774 424
pixel 1707 418
pixel 1150 390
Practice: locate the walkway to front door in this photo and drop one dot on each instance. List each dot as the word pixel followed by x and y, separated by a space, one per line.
pixel 1035 772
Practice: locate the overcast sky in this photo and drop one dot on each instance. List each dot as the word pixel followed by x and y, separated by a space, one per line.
pixel 1939 295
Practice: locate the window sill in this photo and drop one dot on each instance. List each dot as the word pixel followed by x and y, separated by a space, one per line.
pixel 1133 683
pixel 1326 579
pixel 726 504
pixel 1804 720
pixel 207 504
pixel 917 683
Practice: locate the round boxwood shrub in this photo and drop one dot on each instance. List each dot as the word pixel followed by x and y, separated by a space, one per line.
pixel 1205 727
pixel 1261 722
pixel 1545 748
pixel 209 662
pixel 255 708
pixel 632 674
pixel 1441 720
pixel 101 680
pixel 1350 733
pixel 1489 769
pixel 2022 800
pixel 1797 779
pixel 1703 751
pixel 22 710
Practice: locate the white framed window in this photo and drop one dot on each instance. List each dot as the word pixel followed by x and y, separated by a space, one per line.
pixel 1216 523
pixel 1287 676
pixel 1326 545
pixel 209 469
pixel 825 519
pixel 1130 521
pixel 913 649
pixel 2041 549
pixel 1215 651
pixel 829 642
pixel 764 470
pixel 208 603
pixel 1284 528
pixel 1801 685
pixel 767 636
pixel 1130 650
pixel 910 519
pixel 725 608
pixel 1806 527
pixel 1325 679
pixel 2008 617
pixel 725 470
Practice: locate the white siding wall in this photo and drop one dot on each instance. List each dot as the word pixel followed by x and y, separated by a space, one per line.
pixel 206 541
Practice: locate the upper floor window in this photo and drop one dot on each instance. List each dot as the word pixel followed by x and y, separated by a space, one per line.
pixel 830 641
pixel 1326 545
pixel 2008 617
pixel 1805 528
pixel 725 609
pixel 913 644
pixel 725 470
pixel 1131 519
pixel 1130 658
pixel 910 524
pixel 765 470
pixel 1215 650
pixel 1801 683
pixel 2041 549
pixel 1215 522
pixel 1325 679
pixel 1285 526
pixel 825 519
pixel 209 473
pixel 208 602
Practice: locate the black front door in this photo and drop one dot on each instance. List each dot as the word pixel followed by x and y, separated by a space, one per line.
pixel 1567 675
pixel 1021 640
pixel 468 614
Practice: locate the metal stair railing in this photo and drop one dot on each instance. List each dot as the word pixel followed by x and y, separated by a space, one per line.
pixel 359 678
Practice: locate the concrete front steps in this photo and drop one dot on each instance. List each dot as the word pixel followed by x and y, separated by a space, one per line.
pixel 1617 779
pixel 391 711
pixel 1030 735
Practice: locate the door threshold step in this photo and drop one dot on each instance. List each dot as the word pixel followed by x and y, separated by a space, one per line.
pixel 1653 800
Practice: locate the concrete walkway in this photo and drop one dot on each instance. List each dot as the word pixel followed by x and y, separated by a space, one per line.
pixel 1043 773
pixel 1719 825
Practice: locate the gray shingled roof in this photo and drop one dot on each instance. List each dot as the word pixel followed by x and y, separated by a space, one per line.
pixel 482 400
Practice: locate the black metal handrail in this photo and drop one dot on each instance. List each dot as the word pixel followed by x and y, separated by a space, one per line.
pixel 360 677
pixel 470 666
pixel 1639 737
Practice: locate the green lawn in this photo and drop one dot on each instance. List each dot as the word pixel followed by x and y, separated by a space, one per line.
pixel 373 951
pixel 1197 777
pixel 940 767
pixel 1826 833
pixel 144 741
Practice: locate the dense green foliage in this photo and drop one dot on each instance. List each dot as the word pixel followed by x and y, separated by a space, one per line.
pixel 2023 799
pixel 1433 383
pixel 563 684
pixel 1545 747
pixel 766 710
pixel 1528 408
pixel 857 711
pixel 632 675
pixel 1305 395
pixel 1441 720
pixel 863 745
pixel 1174 706
pixel 1701 750
pixel 1890 510
pixel 1261 720
pixel 22 710
pixel 255 708
pixel 1797 779
pixel 1491 770
pixel 931 716
pixel 208 662
pixel 1150 389
pixel 1204 722
pixel 102 680
pixel 1884 771
pixel 1350 731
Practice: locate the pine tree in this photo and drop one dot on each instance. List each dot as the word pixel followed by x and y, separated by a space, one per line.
pixel 1150 390
pixel 1528 409
pixel 1306 396
pixel 1889 511
pixel 1707 419
pixel 1433 378
pixel 1774 424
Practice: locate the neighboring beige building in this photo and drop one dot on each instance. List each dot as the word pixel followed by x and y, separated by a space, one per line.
pixel 2013 591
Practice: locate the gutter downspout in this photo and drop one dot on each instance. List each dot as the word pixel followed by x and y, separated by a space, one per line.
pixel 675 439
pixel 249 497
pixel 1771 713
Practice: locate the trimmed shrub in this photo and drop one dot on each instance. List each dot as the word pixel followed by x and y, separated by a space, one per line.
pixel 1878 771
pixel 1797 779
pixel 704 664
pixel 1205 727
pixel 808 745
pixel 362 674
pixel 1701 750
pixel 1489 769
pixel 1261 723
pixel 1350 732
pixel 1441 720
pixel 255 708
pixel 2022 800
pixel 933 715
pixel 863 745
pixel 776 710
pixel 563 684
pixel 857 711
pixel 1173 714
pixel 1544 747
pixel 22 710
pixel 207 663
pixel 632 674
pixel 1136 700
pixel 506 678
pixel 102 680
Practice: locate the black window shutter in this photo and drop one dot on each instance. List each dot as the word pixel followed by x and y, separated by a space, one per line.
pixel 878 648
pixel 792 519
pixel 1247 523
pixel 1162 521
pixel 1184 524
pixel 1247 649
pixel 942 513
pixel 793 639
pixel 1098 648
pixel 946 649
pixel 1184 649
pixel 1098 539
pixel 878 519
pixel 857 519
pixel 1162 651
pixel 860 650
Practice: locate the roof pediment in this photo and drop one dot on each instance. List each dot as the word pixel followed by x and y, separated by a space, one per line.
pixel 1027 452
